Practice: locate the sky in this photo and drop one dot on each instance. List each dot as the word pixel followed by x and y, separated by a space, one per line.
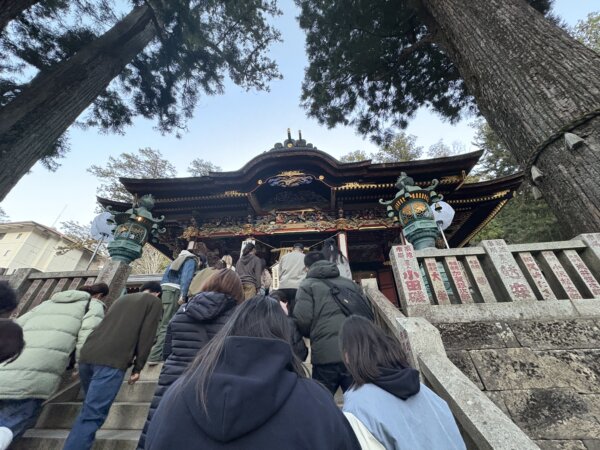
pixel 227 130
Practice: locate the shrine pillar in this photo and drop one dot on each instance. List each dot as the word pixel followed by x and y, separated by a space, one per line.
pixel 342 239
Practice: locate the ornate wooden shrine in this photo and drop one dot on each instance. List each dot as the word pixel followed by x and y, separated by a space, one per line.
pixel 298 193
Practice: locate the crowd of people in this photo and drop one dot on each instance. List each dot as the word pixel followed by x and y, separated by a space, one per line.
pixel 232 350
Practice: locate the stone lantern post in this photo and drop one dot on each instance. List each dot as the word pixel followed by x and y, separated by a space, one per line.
pixel 134 228
pixel 411 207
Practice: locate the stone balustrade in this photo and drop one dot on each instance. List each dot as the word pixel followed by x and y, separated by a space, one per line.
pixel 483 424
pixel 483 279
pixel 34 287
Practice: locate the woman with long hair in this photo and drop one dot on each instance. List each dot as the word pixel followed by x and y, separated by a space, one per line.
pixel 387 397
pixel 247 390
pixel 192 327
pixel 333 254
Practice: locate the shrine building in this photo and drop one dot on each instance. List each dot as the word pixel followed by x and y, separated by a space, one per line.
pixel 298 193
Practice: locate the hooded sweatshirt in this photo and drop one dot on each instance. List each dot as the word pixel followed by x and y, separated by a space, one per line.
pixel 403 414
pixel 249 269
pixel 318 315
pixel 254 401
pixel 180 272
pixel 191 328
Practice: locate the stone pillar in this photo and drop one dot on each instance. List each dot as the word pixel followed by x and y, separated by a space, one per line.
pixel 20 282
pixel 410 285
pixel 591 255
pixel 509 279
pixel 115 274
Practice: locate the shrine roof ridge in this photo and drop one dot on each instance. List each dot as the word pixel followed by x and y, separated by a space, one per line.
pixel 329 164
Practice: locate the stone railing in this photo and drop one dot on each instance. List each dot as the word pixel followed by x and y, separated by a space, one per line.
pixel 34 287
pixel 483 424
pixel 432 282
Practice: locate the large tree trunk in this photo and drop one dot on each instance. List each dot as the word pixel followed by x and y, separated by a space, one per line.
pixel 9 9
pixel 31 123
pixel 530 79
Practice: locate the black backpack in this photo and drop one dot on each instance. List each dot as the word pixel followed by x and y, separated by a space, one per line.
pixel 351 301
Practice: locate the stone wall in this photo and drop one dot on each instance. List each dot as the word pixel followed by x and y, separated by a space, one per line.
pixel 545 375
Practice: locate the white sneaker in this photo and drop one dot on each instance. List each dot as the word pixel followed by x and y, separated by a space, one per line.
pixel 6 437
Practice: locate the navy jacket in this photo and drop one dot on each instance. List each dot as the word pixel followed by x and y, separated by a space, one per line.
pixel 254 401
pixel 189 331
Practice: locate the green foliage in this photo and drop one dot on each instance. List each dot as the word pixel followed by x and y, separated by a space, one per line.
pixel 146 163
pixel 523 219
pixel 197 45
pixel 442 150
pixel 200 167
pixel 496 161
pixel 355 156
pixel 374 63
pixel 588 31
pixel 402 147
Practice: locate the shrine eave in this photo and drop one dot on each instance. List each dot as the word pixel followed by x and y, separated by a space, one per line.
pixel 310 161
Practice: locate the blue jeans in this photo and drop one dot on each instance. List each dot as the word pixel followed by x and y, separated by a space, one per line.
pixel 101 385
pixel 19 415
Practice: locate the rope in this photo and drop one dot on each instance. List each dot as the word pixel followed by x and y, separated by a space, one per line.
pixel 281 248
pixel 553 137
pixel 318 243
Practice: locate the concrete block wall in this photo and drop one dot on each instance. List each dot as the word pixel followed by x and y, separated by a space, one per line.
pixel 544 374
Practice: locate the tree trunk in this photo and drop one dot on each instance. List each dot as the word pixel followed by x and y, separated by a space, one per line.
pixel 9 9
pixel 530 79
pixel 31 123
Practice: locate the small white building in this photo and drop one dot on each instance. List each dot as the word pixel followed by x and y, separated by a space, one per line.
pixel 32 245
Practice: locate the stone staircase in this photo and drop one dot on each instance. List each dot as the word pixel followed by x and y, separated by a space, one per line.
pixel 121 430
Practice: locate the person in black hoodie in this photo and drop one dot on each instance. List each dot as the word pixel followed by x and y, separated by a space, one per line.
pixel 249 268
pixel 192 327
pixel 247 390
pixel 387 397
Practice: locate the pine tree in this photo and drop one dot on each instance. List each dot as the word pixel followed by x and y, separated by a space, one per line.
pixel 374 63
pixel 154 62
pixel 145 163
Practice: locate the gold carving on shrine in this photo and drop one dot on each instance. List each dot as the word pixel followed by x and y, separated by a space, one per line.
pixel 356 185
pixel 291 173
pixel 451 179
pixel 233 193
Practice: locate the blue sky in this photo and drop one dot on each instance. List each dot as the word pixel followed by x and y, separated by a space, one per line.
pixel 228 130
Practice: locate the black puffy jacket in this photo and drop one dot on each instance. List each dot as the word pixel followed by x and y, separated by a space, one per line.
pixel 191 328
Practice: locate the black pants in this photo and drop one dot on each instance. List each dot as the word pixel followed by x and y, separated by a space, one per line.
pixel 332 376
pixel 290 294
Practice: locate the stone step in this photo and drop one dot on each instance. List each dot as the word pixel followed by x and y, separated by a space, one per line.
pixel 37 439
pixel 140 392
pixel 149 373
pixel 122 416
